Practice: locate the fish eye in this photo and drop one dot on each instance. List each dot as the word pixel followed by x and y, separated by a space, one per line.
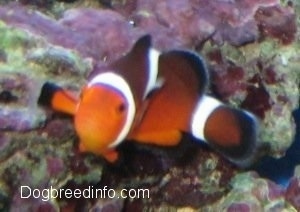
pixel 121 107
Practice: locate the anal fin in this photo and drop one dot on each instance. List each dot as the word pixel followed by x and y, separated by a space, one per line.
pixel 111 156
pixel 161 138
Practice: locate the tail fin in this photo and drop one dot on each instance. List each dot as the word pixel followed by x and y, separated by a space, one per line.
pixel 55 97
pixel 232 132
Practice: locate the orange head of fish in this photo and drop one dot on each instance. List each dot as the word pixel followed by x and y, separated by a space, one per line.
pixel 100 118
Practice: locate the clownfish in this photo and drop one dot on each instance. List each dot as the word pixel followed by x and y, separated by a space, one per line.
pixel 152 97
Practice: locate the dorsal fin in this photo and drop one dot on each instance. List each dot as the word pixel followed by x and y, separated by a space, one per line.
pixel 142 45
pixel 139 67
pixel 188 67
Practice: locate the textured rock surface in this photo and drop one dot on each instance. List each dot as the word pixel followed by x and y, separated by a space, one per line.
pixel 252 54
pixel 192 22
pixel 250 193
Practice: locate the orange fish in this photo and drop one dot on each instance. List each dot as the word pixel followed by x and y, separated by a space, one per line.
pixel 152 97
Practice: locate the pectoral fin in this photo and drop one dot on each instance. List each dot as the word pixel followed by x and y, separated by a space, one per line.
pixel 161 138
pixel 57 98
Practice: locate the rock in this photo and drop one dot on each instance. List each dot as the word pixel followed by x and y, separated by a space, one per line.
pixel 251 193
pixel 32 204
pixel 106 205
pixel 19 111
pixel 277 22
pixel 28 58
pixel 88 31
pixel 292 193
pixel 193 22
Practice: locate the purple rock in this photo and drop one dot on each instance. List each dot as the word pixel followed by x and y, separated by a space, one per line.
pixel 54 166
pixel 277 22
pixel 192 22
pixel 58 128
pixel 267 191
pixel 107 205
pixel 292 194
pixel 77 164
pixel 31 204
pixel 227 79
pixel 75 205
pixel 237 36
pixel 100 34
pixel 18 110
pixel 239 207
pixel 258 98
pixel 275 191
pixel 5 140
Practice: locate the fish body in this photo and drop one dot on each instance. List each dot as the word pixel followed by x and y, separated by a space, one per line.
pixel 153 97
pixel 181 105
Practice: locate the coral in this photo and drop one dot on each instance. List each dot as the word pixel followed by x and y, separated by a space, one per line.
pixel 18 111
pixel 73 30
pixel 98 45
pixel 251 193
pixel 24 166
pixel 277 22
pixel 192 22
pixel 22 72
pixel 174 178
pixel 292 193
